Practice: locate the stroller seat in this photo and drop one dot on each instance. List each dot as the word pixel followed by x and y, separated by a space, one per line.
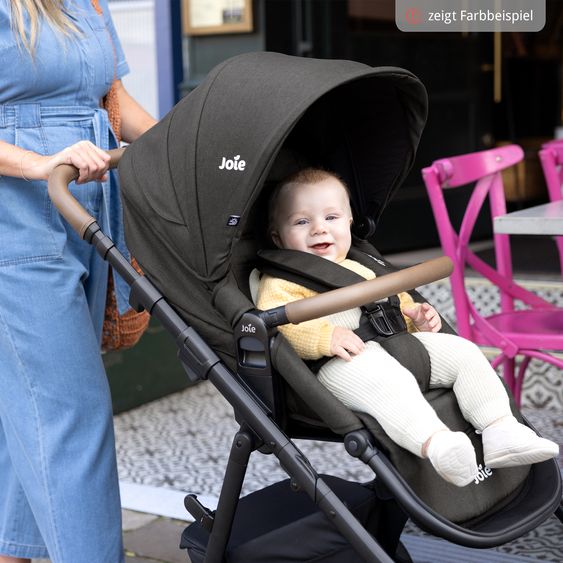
pixel 204 224
pixel 469 504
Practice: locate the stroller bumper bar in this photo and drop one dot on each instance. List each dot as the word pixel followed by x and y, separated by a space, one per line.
pixel 359 294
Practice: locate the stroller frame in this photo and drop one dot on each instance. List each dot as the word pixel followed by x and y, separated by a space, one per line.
pixel 258 430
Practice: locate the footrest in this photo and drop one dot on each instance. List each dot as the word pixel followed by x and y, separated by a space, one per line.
pixel 201 514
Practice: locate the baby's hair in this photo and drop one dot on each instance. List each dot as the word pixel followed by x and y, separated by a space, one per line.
pixel 305 176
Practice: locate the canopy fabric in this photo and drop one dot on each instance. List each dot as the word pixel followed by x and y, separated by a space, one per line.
pixel 189 184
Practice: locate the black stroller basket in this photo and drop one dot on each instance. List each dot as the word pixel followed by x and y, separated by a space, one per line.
pixel 192 189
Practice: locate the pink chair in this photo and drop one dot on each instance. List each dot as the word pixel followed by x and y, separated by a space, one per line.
pixel 551 156
pixel 527 333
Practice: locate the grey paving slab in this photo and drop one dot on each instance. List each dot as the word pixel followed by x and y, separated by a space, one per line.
pixel 158 540
pixel 131 520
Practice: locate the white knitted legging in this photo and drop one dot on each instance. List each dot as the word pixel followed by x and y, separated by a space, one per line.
pixel 376 383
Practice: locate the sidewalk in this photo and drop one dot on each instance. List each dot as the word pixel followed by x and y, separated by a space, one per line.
pixel 149 539
pixel 152 539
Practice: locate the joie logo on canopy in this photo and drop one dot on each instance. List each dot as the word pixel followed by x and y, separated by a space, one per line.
pixel 233 163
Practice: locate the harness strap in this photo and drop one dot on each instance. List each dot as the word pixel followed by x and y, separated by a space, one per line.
pixel 308 270
pixel 379 319
pixel 321 275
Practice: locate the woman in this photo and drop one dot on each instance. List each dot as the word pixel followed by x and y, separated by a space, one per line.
pixel 59 496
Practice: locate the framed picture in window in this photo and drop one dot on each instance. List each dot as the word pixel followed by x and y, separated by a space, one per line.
pixel 208 17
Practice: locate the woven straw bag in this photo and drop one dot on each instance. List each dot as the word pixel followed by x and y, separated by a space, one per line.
pixel 119 331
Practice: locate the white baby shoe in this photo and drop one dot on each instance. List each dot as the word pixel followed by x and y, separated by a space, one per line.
pixel 453 457
pixel 508 443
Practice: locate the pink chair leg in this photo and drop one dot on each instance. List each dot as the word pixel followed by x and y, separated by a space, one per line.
pixel 508 374
pixel 559 242
pixel 520 380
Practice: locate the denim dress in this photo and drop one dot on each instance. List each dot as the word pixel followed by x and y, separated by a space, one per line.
pixel 59 495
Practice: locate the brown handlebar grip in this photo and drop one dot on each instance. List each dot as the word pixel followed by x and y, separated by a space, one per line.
pixel 345 298
pixel 64 201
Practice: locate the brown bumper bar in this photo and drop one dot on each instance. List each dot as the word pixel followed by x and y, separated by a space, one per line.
pixel 345 298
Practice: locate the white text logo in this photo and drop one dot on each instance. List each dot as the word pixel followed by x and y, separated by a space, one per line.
pixel 233 164
pixel 482 474
pixel 248 328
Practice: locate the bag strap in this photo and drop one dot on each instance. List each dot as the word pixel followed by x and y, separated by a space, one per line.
pixel 110 101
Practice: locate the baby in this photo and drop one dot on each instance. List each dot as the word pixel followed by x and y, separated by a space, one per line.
pixel 310 212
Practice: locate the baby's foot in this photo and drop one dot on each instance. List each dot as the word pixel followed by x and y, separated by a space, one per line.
pixel 453 457
pixel 508 443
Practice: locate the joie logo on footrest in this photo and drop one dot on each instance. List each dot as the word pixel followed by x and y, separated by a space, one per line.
pixel 248 328
pixel 233 163
pixel 483 473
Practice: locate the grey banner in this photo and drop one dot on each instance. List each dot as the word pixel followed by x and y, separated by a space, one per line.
pixel 470 15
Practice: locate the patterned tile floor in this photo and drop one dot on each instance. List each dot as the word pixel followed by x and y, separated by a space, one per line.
pixel 182 441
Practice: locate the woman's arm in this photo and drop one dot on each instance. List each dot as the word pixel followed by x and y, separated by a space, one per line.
pixel 134 119
pixel 91 161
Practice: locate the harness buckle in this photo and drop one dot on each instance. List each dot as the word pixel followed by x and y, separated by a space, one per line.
pixel 386 319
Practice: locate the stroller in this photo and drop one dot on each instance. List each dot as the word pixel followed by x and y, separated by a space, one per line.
pixel 194 190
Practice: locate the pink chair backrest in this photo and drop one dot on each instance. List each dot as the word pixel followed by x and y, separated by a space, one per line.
pixel 484 168
pixel 460 170
pixel 551 156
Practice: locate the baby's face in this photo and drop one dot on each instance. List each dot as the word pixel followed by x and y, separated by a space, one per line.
pixel 314 218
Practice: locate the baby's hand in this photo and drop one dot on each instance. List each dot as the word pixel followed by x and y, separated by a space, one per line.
pixel 345 342
pixel 424 317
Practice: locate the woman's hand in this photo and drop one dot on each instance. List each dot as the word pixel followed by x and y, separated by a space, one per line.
pixel 91 161
pixel 345 342
pixel 424 317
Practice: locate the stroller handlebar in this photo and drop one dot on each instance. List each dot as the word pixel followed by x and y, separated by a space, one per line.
pixel 358 294
pixel 64 201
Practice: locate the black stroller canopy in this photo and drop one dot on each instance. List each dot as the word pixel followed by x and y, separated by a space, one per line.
pixel 193 179
pixel 202 167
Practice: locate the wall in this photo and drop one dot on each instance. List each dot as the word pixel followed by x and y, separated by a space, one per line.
pixel 203 52
pixel 135 24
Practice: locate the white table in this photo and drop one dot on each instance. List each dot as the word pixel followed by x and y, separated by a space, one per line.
pixel 546 219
